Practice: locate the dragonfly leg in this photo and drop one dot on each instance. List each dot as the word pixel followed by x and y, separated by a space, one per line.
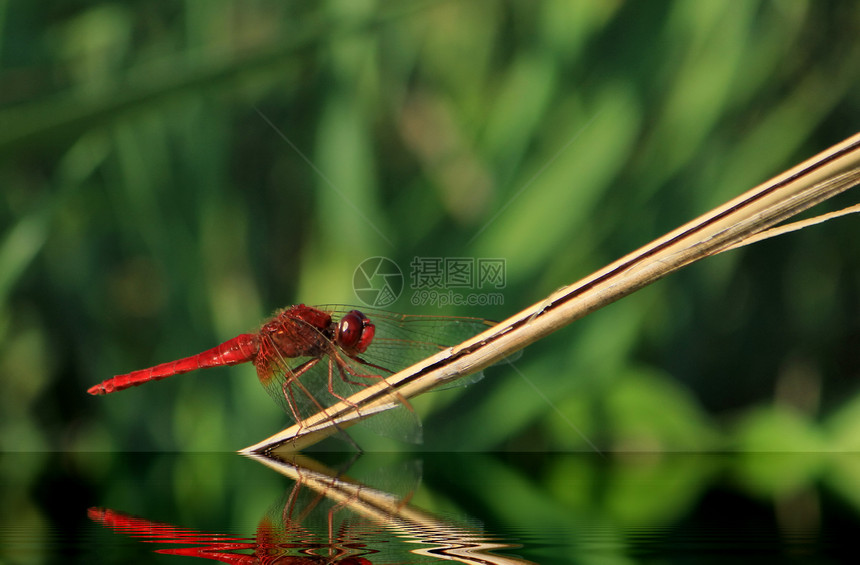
pixel 344 368
pixel 291 402
pixel 294 379
pixel 340 364
pixel 288 389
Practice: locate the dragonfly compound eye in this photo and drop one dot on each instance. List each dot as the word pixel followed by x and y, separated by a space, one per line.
pixel 355 332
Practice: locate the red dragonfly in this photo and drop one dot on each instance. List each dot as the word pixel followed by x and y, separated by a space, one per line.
pixel 310 357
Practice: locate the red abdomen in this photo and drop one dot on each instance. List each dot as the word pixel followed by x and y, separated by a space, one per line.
pixel 240 349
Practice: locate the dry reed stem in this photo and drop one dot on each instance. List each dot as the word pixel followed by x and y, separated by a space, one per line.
pixel 735 222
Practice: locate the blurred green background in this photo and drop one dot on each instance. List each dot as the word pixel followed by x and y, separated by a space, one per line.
pixel 173 172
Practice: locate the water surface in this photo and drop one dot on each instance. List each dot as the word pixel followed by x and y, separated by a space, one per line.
pixel 399 508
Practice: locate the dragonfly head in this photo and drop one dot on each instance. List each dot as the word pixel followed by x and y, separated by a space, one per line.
pixel 355 332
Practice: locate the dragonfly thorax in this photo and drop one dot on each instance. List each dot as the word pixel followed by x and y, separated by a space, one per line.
pixel 298 331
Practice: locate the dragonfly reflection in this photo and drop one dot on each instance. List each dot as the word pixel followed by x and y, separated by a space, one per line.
pixel 324 518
